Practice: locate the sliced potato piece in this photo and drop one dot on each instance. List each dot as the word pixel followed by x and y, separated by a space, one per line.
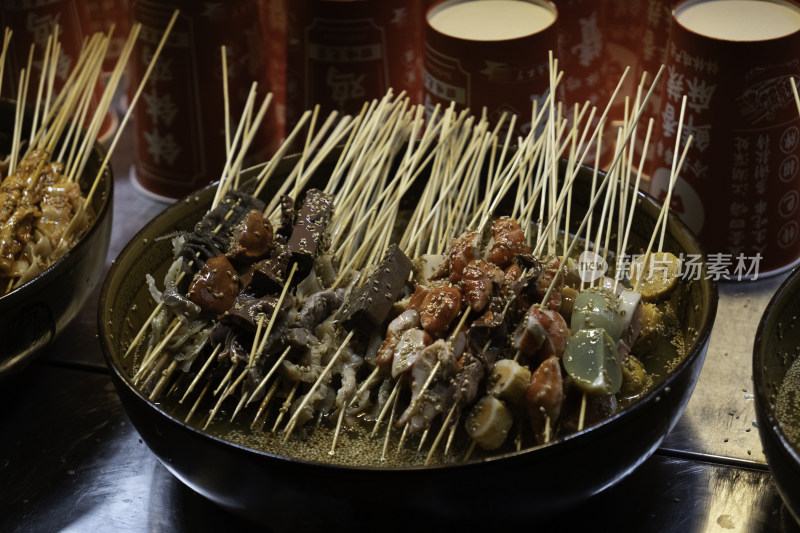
pixel 488 423
pixel 509 380
pixel 568 295
pixel 656 278
pixel 634 377
pixel 652 329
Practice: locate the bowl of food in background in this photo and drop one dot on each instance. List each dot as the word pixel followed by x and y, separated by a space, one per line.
pixel 54 244
pixel 776 376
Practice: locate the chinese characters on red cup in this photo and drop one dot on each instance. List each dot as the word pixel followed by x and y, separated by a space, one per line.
pixel 739 188
pixel 33 22
pixel 489 53
pixel 341 54
pixel 179 121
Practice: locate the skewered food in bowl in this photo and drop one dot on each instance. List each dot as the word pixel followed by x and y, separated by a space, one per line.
pixel 345 346
pixel 55 199
pixel 240 463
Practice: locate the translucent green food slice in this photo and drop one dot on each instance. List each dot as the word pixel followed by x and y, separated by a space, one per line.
pixel 597 307
pixel 591 359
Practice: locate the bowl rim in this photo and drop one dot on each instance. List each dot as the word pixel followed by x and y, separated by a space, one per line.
pixel 106 194
pixel 784 293
pixel 698 348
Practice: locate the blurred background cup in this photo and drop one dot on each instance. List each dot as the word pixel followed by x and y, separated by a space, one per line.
pixel 739 188
pixel 341 53
pixel 98 16
pixel 581 53
pixel 32 23
pixel 489 54
pixel 655 19
pixel 622 23
pixel 179 123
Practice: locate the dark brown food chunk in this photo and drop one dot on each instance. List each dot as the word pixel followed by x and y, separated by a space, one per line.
pixel 251 239
pixel 215 287
pixel 309 230
pixel 269 275
pixel 373 300
pixel 246 309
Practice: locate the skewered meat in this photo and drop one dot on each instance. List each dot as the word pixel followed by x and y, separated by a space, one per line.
pixel 441 305
pixel 542 331
pixel 269 275
pixel 545 396
pixel 409 345
pixel 319 306
pixel 427 404
pixel 463 249
pixel 406 320
pixel 309 230
pixel 246 308
pixel 211 236
pixel 373 300
pixel 251 239
pixel 508 241
pixel 545 279
pixel 215 287
pixel 478 281
pixel 465 384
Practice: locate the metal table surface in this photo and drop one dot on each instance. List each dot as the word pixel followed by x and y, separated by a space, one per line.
pixel 71 461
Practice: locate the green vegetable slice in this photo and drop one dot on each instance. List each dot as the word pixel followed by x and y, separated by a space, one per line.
pixel 597 307
pixel 591 359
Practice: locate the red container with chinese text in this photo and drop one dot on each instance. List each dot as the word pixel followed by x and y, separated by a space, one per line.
pixel 179 128
pixel 98 16
pixel 32 23
pixel 581 53
pixel 739 188
pixel 489 54
pixel 343 53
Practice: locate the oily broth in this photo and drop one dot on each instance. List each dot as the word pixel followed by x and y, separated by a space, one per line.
pixel 787 404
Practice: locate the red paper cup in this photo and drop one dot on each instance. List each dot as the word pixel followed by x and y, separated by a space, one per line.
pixel 32 22
pixel 341 54
pixel 98 16
pixel 179 127
pixel 581 50
pixel 581 53
pixel 273 20
pixel 739 188
pixel 623 33
pixel 657 18
pixel 490 54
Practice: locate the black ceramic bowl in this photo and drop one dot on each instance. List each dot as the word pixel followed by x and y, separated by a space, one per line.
pixel 32 315
pixel 774 351
pixel 287 493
